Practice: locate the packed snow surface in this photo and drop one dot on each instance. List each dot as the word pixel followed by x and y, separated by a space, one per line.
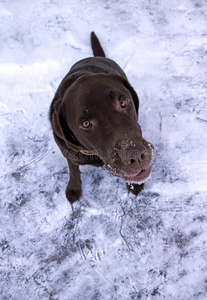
pixel 110 244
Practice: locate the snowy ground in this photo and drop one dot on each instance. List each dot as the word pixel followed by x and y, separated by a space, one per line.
pixel 111 245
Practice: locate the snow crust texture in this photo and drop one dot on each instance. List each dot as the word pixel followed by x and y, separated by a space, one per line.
pixel 110 245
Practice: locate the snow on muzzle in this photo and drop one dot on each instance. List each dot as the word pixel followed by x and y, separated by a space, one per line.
pixel 131 160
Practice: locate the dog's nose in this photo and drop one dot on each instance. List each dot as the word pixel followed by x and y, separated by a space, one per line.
pixel 135 157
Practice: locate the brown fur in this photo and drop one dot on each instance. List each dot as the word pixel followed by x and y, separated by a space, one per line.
pixel 97 90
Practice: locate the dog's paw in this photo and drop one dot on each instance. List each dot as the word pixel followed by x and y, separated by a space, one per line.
pixel 73 194
pixel 135 188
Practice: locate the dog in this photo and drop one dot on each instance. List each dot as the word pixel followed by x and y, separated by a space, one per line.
pixel 94 117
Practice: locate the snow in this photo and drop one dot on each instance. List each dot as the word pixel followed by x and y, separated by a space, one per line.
pixel 110 244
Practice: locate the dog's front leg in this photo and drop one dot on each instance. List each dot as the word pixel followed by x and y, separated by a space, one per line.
pixel 73 191
pixel 135 188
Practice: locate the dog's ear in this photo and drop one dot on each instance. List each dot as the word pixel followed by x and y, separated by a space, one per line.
pixel 133 93
pixel 63 135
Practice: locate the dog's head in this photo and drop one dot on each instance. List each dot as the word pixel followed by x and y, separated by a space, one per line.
pixel 99 113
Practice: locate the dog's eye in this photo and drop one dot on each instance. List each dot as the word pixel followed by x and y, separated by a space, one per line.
pixel 86 124
pixel 123 102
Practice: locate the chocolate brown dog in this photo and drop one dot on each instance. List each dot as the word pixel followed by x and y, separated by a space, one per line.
pixel 94 118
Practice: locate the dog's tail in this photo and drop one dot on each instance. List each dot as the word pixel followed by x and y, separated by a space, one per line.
pixel 96 46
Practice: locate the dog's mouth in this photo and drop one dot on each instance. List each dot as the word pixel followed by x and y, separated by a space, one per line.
pixel 139 178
